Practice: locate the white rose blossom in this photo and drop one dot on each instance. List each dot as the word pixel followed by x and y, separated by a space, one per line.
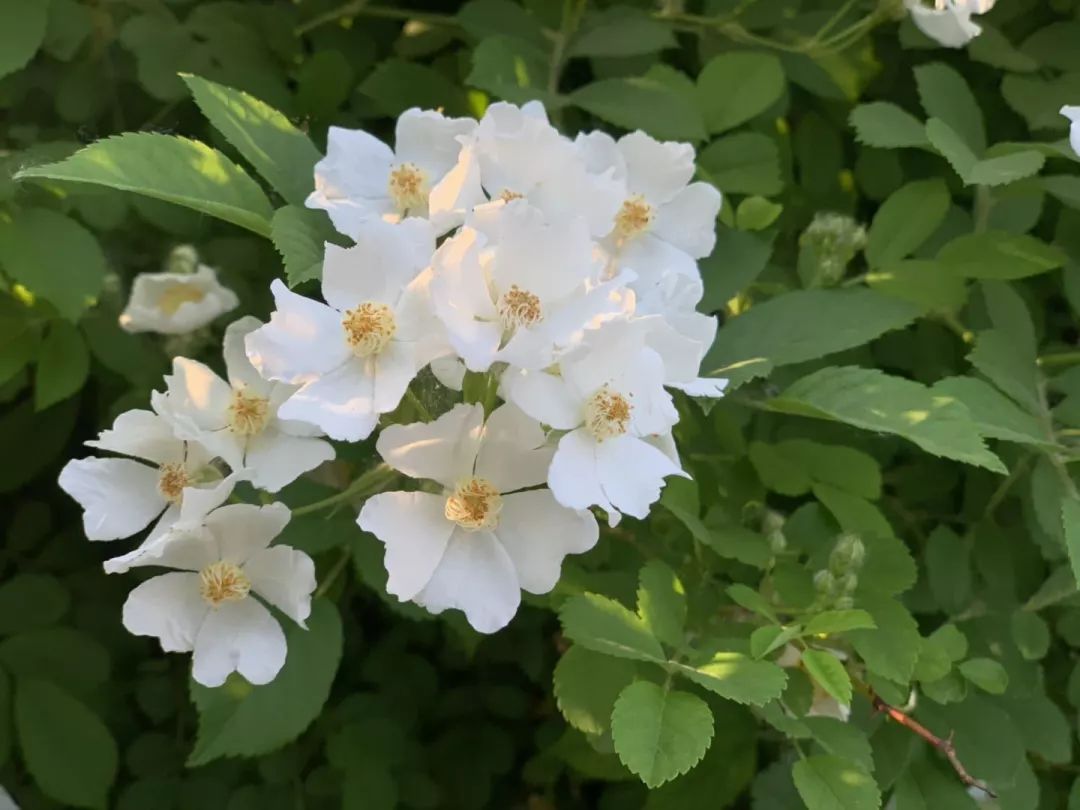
pixel 354 356
pixel 172 479
pixel 176 303
pixel 212 605
pixel 490 533
pixel 948 22
pixel 239 421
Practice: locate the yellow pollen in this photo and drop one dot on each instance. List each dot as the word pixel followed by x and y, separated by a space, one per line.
pixel 475 504
pixel 176 294
pixel 248 414
pixel 634 217
pixel 408 187
pixel 607 414
pixel 519 307
pixel 507 195
pixel 172 481
pixel 223 581
pixel 369 327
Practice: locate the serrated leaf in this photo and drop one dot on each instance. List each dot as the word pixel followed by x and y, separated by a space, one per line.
pixel 280 152
pixel 832 783
pixel 660 733
pixel 927 284
pixel 737 677
pixel 642 102
pixel 743 163
pixel 948 143
pixel 999 255
pixel 829 673
pixel 300 236
pixel 996 416
pixel 736 86
pixel 750 599
pixel 985 673
pixel 872 400
pixel 772 637
pixel 892 649
pixel 661 602
pixel 63 364
pixel 842 739
pixel 800 326
pixel 886 126
pixel 512 69
pixel 22 30
pixel 831 622
pixel 586 685
pixel 945 95
pixel 621 31
pixel 1009 365
pixel 67 749
pixel 605 626
pixel 906 220
pixel 1004 169
pixel 245 720
pixel 169 168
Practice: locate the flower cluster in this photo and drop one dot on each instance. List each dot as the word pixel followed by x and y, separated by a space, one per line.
pixel 552 281
pixel 948 21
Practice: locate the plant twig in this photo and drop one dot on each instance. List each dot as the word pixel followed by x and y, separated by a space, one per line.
pixel 945 746
pixel 370 482
pixel 333 573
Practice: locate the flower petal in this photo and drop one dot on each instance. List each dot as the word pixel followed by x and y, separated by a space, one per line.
pixel 513 452
pixel 656 169
pixel 573 475
pixel 632 473
pixel 168 607
pixel 239 636
pixel 688 220
pixel 476 576
pixel 275 459
pixel 545 397
pixel 385 258
pixel 142 434
pixel 243 529
pixel 284 577
pixel 537 532
pixel 430 140
pixel 240 371
pixel 183 548
pixel 119 496
pixel 415 532
pixel 341 402
pixel 443 450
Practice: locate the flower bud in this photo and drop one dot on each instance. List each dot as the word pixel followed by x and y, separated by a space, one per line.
pixel 848 582
pixel 777 542
pixel 826 248
pixel 824 582
pixel 772 521
pixel 182 259
pixel 847 554
pixel 844 603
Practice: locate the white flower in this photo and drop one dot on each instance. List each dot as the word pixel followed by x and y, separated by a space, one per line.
pixel 175 303
pixel 354 356
pixel 120 496
pixel 949 21
pixel 1073 114
pixel 485 537
pixel 6 802
pixel 361 178
pixel 663 221
pixel 516 154
pixel 515 289
pixel 239 420
pixel 209 605
pixel 609 394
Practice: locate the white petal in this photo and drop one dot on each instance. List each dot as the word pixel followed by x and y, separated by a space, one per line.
pixel 449 371
pixel 275 459
pixel 443 450
pixel 1073 114
pixel 198 396
pixel 168 607
pixel 414 530
pixel 176 303
pixel 688 220
pixel 710 387
pixel 384 259
pixel 395 368
pixel 303 339
pixel 656 169
pixel 119 496
pixel 241 373
pixel 632 472
pixel 183 548
pixel 430 140
pixel 243 529
pixel 573 476
pixel 457 193
pixel 545 397
pixel 341 402
pixel 512 451
pixel 462 301
pixel 950 26
pixel 476 576
pixel 550 261
pixel 197 502
pixel 537 532
pixel 239 636
pixel 142 434
pixel 284 577
pixel 653 260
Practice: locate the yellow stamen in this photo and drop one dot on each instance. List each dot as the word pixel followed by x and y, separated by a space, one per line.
pixel 475 504
pixel 171 482
pixel 369 328
pixel 607 414
pixel 176 294
pixel 223 581
pixel 248 414
pixel 634 217
pixel 519 307
pixel 408 187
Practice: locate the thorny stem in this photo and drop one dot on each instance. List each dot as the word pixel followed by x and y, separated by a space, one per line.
pixel 370 482
pixel 944 745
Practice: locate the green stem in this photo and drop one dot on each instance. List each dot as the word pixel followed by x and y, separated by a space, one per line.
pixel 360 8
pixel 370 482
pixel 1059 359
pixel 333 573
pixel 421 408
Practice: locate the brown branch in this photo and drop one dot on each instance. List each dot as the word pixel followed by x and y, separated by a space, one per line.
pixel 945 746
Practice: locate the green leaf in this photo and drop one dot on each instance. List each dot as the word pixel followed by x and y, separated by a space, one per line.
pixel 871 400
pixel 948 143
pixel 884 125
pixel 485 18
pixel 925 787
pixel 743 163
pixel 660 733
pixel 22 30
pixel 661 602
pixel 621 31
pixel 1031 634
pixel 300 236
pixel 169 168
pixel 642 102
pixel 280 152
pixel 63 364
pixel 829 673
pixel 54 257
pixel 67 749
pixel 832 783
pixel 1004 169
pixel 1008 364
pixel 999 255
pixel 906 220
pixel 1070 520
pixel 927 284
pixel 985 673
pixel 46 654
pixel 995 415
pixel 396 85
pixel 842 739
pixel 747 597
pixel 511 69
pixel 737 677
pixel 792 467
pixel 831 622
pixel 756 213
pixel 7 728
pixel 892 649
pixel 736 86
pixel 605 626
pixel 945 95
pixel 738 259
pixel 800 326
pixel 586 685
pixel 239 719
pixel 47 599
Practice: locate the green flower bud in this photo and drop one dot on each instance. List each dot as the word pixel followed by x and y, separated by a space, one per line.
pixel 844 603
pixel 777 542
pixel 848 554
pixel 849 582
pixel 772 522
pixel 826 248
pixel 824 582
pixel 182 259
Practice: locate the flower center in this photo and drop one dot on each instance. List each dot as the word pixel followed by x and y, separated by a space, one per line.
pixel 176 294
pixel 408 187
pixel 507 195
pixel 171 482
pixel 369 327
pixel 223 581
pixel 474 504
pixel 519 307
pixel 607 414
pixel 634 217
pixel 248 414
